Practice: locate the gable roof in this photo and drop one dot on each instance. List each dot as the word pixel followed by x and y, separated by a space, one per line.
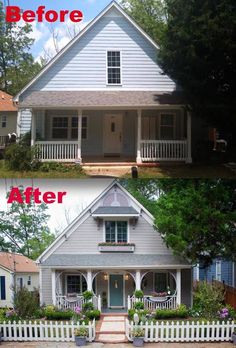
pixel 80 219
pixel 17 263
pixel 6 102
pixel 113 4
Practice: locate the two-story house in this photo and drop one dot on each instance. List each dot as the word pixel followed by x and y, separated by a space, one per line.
pixel 112 249
pixel 105 98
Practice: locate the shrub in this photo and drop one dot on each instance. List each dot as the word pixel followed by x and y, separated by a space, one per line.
pixel 208 299
pixel 138 332
pixel 88 306
pixel 180 312
pixel 141 313
pixel 139 305
pixel 88 295
pixel 26 303
pixel 81 332
pixel 21 157
pixel 95 314
pixel 138 294
pixel 60 167
pixel 59 315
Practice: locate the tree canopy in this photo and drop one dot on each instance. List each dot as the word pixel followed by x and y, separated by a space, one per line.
pixel 17 66
pixel 24 229
pixel 196 218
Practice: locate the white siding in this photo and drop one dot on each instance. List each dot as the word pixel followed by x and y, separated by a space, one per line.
pixel 25 121
pixel 83 66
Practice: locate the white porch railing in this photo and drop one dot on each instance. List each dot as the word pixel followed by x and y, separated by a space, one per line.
pixel 164 150
pixel 168 303
pixel 58 151
pixel 44 331
pixel 63 302
pixel 184 331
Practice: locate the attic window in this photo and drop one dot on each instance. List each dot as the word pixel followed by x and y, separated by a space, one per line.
pixel 113 67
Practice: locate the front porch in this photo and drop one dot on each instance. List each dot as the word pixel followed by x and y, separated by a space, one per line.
pixel 113 291
pixel 113 136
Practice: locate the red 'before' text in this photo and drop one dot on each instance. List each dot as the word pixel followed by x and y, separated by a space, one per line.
pixel 31 194
pixel 15 14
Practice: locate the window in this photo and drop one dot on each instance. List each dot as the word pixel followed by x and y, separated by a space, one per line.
pixel 116 231
pixel 2 288
pixel 76 284
pixel 29 281
pixel 218 271
pixel 59 127
pixel 19 283
pixel 114 67
pixel 167 127
pixel 149 128
pixel 74 128
pixel 160 282
pixel 4 121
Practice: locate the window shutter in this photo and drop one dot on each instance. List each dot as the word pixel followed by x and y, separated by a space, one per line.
pixel 3 287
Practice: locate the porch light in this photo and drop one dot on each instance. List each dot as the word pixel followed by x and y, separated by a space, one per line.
pixel 126 277
pixel 105 276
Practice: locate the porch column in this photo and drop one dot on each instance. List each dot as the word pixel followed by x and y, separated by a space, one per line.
pixel 178 286
pixel 139 137
pixel 89 281
pixel 33 128
pixel 80 114
pixel 189 138
pixel 54 300
pixel 138 280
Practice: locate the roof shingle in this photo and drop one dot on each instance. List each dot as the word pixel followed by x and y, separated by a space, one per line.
pixel 6 102
pixel 17 262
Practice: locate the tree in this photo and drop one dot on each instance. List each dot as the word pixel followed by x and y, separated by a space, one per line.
pixel 23 229
pixel 196 218
pixel 17 66
pixel 198 50
pixel 149 14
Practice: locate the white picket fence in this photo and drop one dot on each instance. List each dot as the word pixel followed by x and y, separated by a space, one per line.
pixel 184 331
pixel 44 331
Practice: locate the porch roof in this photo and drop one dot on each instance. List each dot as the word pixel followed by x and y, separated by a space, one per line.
pixel 115 261
pixel 86 99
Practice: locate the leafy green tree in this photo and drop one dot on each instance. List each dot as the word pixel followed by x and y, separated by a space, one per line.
pixel 149 14
pixel 17 66
pixel 198 50
pixel 24 229
pixel 196 218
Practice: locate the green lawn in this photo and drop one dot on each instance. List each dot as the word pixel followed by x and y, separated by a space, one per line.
pixel 69 172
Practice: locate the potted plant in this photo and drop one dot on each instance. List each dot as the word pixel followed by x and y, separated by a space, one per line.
pixel 138 294
pixel 81 335
pixel 138 337
pixel 234 337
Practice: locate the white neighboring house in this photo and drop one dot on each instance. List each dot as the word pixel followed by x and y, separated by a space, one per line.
pixel 8 118
pixel 105 98
pixel 112 249
pixel 19 270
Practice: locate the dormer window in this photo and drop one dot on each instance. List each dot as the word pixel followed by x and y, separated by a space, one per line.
pixel 113 67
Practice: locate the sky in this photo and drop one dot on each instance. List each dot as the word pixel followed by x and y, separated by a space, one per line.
pixel 42 31
pixel 80 193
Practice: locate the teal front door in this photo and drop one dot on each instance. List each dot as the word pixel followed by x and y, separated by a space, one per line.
pixel 116 284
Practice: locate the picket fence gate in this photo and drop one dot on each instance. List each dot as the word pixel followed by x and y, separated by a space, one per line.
pixel 44 331
pixel 184 331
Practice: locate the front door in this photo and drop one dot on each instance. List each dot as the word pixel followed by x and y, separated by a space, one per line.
pixel 116 285
pixel 112 135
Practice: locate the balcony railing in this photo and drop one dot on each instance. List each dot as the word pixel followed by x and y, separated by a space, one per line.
pixel 163 150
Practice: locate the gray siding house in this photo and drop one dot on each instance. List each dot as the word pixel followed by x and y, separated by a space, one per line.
pixel 113 249
pixel 104 98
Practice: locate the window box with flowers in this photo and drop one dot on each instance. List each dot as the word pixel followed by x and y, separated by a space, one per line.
pixel 116 247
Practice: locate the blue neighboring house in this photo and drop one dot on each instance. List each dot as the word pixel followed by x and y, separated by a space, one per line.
pixel 221 270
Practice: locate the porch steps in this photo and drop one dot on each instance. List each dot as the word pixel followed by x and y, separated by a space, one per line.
pixel 111 328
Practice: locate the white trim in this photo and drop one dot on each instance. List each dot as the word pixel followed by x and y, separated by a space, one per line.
pixel 135 267
pixel 77 37
pixel 139 136
pixel 178 286
pixel 138 280
pixel 54 300
pixel 121 68
pixel 115 215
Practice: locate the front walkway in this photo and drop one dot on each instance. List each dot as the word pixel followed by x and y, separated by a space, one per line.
pixel 120 345
pixel 111 329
